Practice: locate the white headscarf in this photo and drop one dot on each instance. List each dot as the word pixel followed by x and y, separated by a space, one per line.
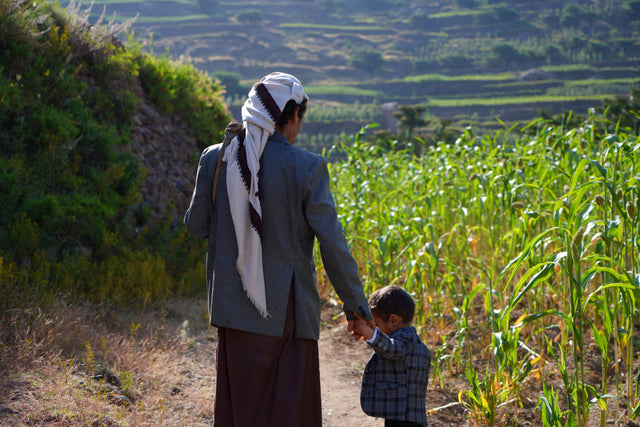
pixel 259 121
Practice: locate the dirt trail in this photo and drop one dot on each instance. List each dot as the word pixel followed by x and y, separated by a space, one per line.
pixel 342 361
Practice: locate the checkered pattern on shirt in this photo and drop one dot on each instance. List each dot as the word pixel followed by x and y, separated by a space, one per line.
pixel 395 379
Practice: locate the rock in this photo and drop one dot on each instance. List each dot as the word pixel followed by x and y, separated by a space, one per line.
pixel 536 75
pixel 387 121
pixel 116 396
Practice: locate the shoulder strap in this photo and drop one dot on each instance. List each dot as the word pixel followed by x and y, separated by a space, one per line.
pixel 233 129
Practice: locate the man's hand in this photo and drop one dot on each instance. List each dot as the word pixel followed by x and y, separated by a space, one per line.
pixel 360 328
pixel 350 325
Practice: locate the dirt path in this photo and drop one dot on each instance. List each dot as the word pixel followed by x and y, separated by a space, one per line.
pixel 172 360
pixel 341 363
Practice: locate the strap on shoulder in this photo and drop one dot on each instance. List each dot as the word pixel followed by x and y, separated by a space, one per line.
pixel 233 129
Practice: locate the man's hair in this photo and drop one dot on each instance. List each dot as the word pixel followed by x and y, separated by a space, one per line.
pixel 392 300
pixel 289 110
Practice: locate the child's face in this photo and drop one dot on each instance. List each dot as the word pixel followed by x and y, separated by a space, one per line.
pixel 389 326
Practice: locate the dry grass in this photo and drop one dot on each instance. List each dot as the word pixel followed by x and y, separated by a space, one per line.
pixel 71 364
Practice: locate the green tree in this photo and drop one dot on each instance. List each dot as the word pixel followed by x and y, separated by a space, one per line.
pixel 419 20
pixel 466 4
pixel 504 53
pixel 573 16
pixel 366 59
pixel 231 82
pixel 498 15
pixel 455 61
pixel 553 54
pixel 634 9
pixel 624 110
pixel 623 44
pixel 249 17
pixel 598 50
pixel 410 117
pixel 208 6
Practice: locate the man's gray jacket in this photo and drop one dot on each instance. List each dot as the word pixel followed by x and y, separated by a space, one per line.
pixel 297 207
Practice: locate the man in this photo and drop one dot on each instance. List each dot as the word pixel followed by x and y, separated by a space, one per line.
pixel 272 201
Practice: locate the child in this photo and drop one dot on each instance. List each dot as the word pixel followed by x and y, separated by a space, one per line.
pixel 395 379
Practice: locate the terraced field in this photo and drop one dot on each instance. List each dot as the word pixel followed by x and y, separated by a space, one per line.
pixel 463 64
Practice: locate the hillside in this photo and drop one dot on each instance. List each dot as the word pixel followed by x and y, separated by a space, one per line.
pixel 468 60
pixel 98 153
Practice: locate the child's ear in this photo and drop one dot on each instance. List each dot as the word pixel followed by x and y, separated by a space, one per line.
pixel 395 319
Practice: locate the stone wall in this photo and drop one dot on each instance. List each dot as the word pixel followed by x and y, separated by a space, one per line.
pixel 168 152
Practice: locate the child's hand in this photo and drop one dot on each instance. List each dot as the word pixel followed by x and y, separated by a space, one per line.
pixel 362 328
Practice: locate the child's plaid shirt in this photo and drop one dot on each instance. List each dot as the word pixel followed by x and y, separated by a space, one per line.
pixel 395 379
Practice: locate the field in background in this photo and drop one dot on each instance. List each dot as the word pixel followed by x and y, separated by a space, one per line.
pixel 469 61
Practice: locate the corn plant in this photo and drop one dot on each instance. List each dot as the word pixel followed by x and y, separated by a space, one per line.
pixel 536 233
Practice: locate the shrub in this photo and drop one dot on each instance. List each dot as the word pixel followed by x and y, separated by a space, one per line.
pixel 498 15
pixel 249 17
pixel 598 50
pixel 180 88
pixel 419 20
pixel 231 83
pixel 366 59
pixel 634 9
pixel 505 54
pixel 466 4
pixel 208 6
pixel 455 61
pixel 70 187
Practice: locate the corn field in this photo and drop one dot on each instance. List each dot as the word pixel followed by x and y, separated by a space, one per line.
pixel 522 255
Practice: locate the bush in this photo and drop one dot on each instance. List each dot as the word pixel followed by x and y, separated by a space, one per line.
pixel 208 6
pixel 249 17
pixel 180 88
pixel 505 54
pixel 634 9
pixel 70 217
pixel 466 4
pixel 366 59
pixel 573 16
pixel 419 20
pixel 598 50
pixel 231 83
pixel 455 61
pixel 498 15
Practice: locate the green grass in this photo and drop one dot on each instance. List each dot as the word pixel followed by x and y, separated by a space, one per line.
pixel 340 90
pixel 165 19
pixel 597 82
pixel 567 67
pixel 433 102
pixel 332 27
pixel 121 2
pixel 463 78
pixel 455 13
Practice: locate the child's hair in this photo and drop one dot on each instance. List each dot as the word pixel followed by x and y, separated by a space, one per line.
pixel 392 300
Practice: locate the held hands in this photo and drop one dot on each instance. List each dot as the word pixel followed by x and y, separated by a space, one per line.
pixel 360 328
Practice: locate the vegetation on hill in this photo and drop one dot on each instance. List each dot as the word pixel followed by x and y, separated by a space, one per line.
pixel 71 212
pixel 442 55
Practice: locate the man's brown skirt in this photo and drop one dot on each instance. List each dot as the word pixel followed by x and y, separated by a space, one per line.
pixel 267 381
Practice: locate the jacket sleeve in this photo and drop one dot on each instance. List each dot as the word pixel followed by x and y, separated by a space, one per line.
pixel 394 349
pixel 198 215
pixel 342 269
